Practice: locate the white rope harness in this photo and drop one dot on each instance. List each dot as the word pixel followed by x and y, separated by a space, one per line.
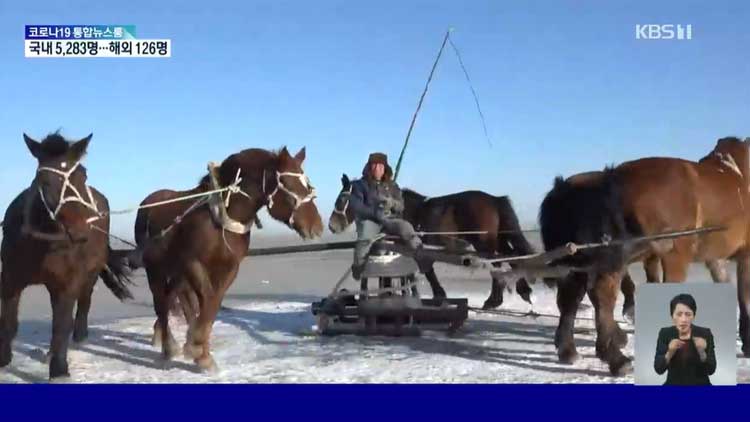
pixel 298 200
pixel 228 223
pixel 348 195
pixel 75 198
pixel 728 161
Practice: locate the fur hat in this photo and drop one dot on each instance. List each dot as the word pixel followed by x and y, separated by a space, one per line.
pixel 378 158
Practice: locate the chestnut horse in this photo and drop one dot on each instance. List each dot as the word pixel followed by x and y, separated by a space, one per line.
pixel 463 211
pixel 651 263
pixel 646 197
pixel 188 247
pixel 56 233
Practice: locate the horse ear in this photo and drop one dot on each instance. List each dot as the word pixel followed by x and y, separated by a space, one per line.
pixel 79 148
pixel 300 156
pixel 34 147
pixel 345 180
pixel 284 152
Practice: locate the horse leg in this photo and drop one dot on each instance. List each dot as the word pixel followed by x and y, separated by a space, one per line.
pixel 10 298
pixel 524 290
pixel 743 299
pixel 604 295
pixel 81 326
pixel 158 284
pixel 190 306
pixel 652 267
pixel 496 294
pixel 627 286
pixel 570 293
pixel 199 281
pixel 675 263
pixel 437 290
pixel 62 325
pixel 718 270
pixel 209 310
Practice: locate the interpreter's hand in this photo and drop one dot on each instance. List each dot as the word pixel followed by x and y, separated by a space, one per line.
pixel 700 343
pixel 675 345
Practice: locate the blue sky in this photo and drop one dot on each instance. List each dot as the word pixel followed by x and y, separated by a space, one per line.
pixel 564 85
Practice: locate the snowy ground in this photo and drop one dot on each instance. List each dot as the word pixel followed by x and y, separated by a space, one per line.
pixel 265 335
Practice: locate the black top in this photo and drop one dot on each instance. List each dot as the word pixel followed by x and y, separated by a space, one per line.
pixel 366 199
pixel 685 367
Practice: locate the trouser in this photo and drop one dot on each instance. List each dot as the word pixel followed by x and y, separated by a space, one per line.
pixel 367 230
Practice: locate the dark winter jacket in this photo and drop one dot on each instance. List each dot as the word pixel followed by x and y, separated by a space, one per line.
pixel 368 198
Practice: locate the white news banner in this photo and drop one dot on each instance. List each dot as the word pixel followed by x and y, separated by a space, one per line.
pixel 97 48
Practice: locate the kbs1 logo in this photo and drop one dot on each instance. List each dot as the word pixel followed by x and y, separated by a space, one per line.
pixel 663 32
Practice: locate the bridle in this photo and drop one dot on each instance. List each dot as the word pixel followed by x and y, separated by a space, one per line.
pixel 238 227
pixel 280 186
pixel 342 212
pixel 76 197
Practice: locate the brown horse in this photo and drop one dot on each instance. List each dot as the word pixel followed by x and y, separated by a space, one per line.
pixel 187 245
pixel 645 197
pixel 56 233
pixel 651 263
pixel 463 211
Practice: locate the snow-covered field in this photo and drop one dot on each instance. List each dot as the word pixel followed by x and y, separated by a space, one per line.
pixel 265 335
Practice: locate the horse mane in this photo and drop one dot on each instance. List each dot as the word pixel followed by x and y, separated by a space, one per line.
pixel 714 151
pixel 730 138
pixel 54 145
pixel 241 160
pixel 586 211
pixel 412 192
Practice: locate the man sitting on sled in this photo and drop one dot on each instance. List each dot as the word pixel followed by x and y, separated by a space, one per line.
pixel 377 203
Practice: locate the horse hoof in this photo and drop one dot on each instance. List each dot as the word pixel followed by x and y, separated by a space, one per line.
pixel 170 351
pixel 58 371
pixel 524 291
pixel 629 314
pixel 79 338
pixel 61 379
pixel 207 364
pixel 621 339
pixel 621 367
pixel 5 360
pixel 191 351
pixel 568 356
pixel 745 352
pixel 491 303
pixel 601 354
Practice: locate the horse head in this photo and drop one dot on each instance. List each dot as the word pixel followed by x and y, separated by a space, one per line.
pixel 60 183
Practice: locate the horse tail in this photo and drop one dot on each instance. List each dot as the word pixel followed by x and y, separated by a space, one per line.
pixel 116 275
pixel 587 212
pixel 135 258
pixel 141 227
pixel 510 239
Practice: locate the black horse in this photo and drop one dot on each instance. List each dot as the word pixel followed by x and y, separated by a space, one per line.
pixel 55 233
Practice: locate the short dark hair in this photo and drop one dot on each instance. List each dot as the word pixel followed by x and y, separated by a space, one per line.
pixel 684 299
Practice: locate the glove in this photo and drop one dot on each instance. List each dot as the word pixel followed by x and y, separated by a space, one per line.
pixel 389 203
pixel 379 216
